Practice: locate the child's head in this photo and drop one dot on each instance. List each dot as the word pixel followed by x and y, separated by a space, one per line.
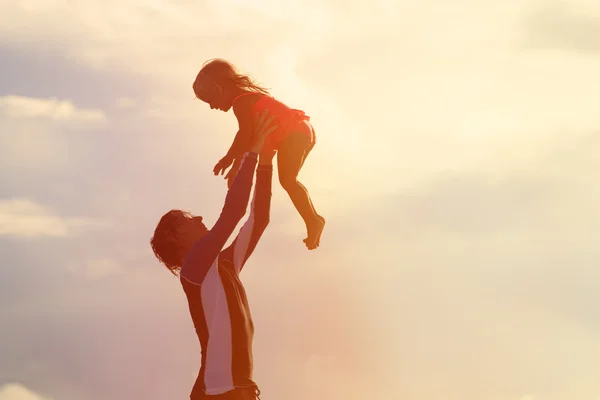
pixel 218 82
pixel 174 235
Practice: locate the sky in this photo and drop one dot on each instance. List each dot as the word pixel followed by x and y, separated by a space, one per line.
pixel 456 165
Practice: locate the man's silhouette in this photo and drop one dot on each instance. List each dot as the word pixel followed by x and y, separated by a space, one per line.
pixel 210 278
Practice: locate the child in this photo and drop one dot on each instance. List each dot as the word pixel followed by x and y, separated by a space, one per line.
pixel 220 85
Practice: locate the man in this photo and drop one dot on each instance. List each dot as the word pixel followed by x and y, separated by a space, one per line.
pixel 210 275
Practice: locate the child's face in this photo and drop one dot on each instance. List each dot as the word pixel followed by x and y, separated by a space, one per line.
pixel 212 94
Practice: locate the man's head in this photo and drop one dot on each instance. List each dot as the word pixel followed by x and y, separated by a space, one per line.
pixel 174 235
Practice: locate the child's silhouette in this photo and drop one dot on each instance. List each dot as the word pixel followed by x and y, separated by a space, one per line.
pixel 222 87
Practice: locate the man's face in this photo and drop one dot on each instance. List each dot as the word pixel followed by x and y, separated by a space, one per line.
pixel 191 229
pixel 197 220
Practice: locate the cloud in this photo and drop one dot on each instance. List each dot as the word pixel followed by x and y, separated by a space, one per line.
pixel 423 92
pixel 53 109
pixel 16 391
pixel 25 218
pixel 526 206
pixel 116 35
pixel 40 133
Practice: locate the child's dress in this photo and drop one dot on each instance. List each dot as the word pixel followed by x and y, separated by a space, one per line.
pixel 286 118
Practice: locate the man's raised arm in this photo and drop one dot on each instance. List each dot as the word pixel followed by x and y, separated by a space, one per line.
pixel 237 198
pixel 236 201
pixel 252 230
pixel 207 249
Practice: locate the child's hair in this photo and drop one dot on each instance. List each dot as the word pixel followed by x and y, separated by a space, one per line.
pixel 165 243
pixel 224 72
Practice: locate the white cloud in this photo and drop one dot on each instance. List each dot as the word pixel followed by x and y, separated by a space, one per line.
pixel 441 80
pixel 116 33
pixel 16 391
pixel 31 144
pixel 23 217
pixel 51 108
pixel 35 131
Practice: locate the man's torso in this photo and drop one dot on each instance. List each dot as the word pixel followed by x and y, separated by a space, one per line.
pixel 223 322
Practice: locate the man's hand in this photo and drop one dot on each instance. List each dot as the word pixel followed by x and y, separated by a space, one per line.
pixel 262 129
pixel 222 165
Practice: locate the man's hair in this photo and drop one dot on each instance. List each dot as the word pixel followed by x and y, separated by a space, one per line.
pixel 165 242
pixel 222 72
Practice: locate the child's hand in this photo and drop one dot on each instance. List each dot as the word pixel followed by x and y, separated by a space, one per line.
pixel 233 171
pixel 222 165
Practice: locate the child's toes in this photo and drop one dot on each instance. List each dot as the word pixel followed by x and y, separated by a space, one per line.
pixel 312 245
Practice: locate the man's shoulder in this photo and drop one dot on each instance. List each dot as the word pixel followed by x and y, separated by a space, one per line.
pixel 198 262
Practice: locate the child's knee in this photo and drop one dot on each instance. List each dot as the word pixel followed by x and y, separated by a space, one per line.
pixel 288 182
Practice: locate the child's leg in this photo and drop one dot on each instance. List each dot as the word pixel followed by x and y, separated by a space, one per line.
pixel 290 159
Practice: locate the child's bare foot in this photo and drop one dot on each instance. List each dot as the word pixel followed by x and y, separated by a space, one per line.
pixel 314 233
pixel 305 240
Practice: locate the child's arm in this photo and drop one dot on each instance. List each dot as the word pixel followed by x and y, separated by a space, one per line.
pixel 240 143
pixel 234 154
pixel 243 138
